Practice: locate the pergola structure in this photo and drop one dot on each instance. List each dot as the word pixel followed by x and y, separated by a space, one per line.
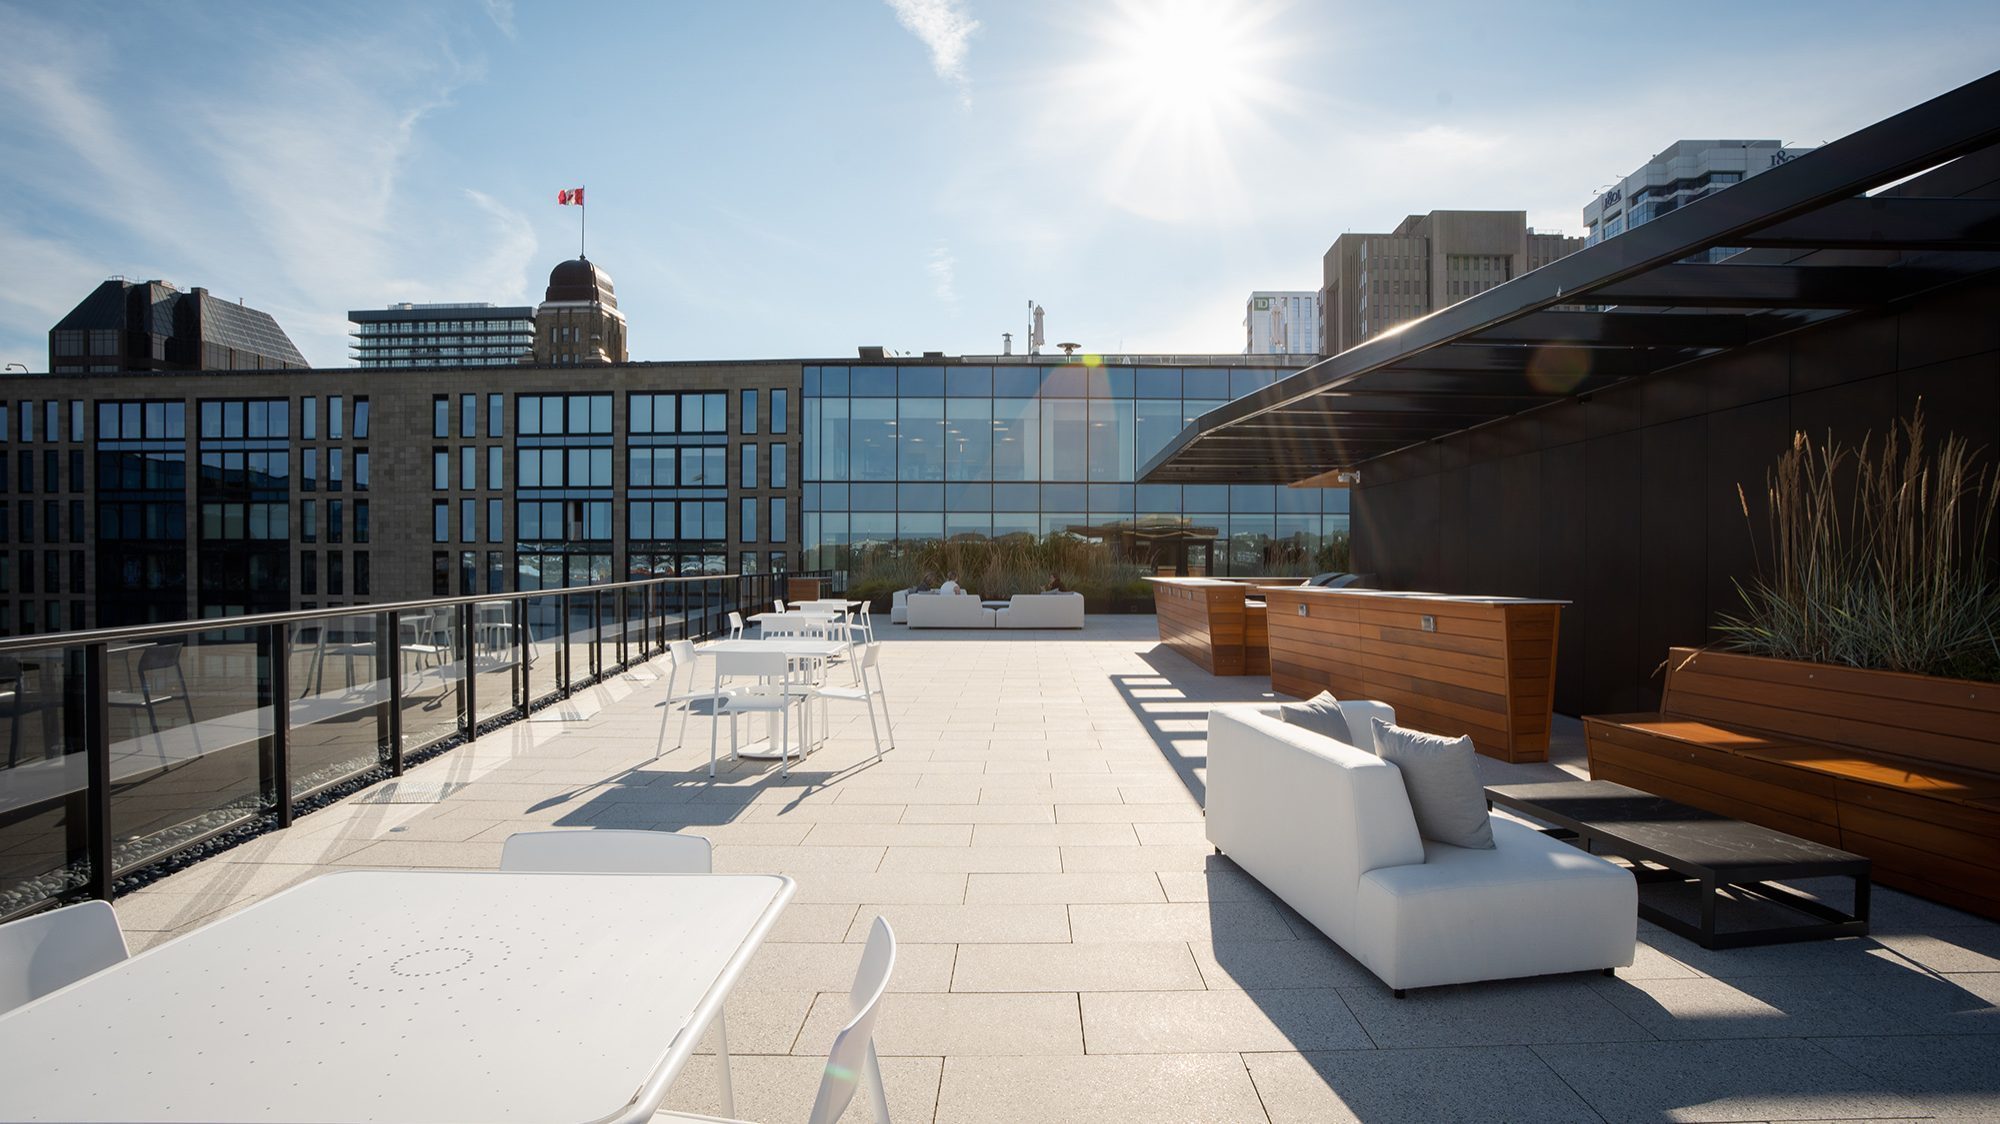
pixel 1826 235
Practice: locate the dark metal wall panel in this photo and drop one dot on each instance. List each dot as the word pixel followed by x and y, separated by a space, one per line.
pixel 1629 508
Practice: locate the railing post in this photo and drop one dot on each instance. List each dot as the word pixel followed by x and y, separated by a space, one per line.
pixel 390 651
pixel 596 633
pixel 97 764
pixel 281 721
pixel 562 652
pixel 470 694
pixel 527 688
pixel 624 619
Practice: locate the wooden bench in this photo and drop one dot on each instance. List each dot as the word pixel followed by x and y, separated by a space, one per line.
pixel 1904 769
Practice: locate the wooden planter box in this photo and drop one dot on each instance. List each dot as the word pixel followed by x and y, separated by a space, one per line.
pixel 1904 769
pixel 1481 666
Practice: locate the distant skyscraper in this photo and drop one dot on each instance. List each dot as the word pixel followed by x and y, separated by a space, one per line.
pixel 153 326
pixel 1281 323
pixel 578 320
pixel 1372 282
pixel 443 335
pixel 1688 170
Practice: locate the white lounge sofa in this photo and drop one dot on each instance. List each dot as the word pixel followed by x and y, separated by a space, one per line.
pixel 1041 610
pixel 1328 828
pixel 899 607
pixel 948 610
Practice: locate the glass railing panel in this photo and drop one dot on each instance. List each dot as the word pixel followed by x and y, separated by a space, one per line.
pixel 190 732
pixel 582 627
pixel 607 636
pixel 339 690
pixel 544 615
pixel 432 674
pixel 496 658
pixel 43 778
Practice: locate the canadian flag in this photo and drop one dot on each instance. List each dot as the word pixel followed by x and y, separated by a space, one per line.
pixel 570 195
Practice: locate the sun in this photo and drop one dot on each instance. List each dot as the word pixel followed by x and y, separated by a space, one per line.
pixel 1171 97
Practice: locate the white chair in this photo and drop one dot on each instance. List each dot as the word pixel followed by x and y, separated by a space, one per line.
pixel 735 625
pixel 682 654
pixel 617 851
pixel 775 690
pixel 55 949
pixel 778 604
pixel 864 693
pixel 853 1054
pixel 588 850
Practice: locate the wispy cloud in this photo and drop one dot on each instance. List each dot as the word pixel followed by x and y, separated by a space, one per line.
pixel 946 29
pixel 501 12
pixel 943 268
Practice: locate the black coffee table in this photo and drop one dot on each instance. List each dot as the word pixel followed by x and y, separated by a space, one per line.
pixel 1669 841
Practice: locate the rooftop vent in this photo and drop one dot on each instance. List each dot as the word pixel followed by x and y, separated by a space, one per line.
pixel 873 353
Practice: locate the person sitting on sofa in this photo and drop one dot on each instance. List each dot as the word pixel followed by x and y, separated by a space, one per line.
pixel 950 586
pixel 1055 584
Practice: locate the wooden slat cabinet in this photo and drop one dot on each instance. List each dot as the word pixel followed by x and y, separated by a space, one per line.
pixel 1213 623
pixel 1483 666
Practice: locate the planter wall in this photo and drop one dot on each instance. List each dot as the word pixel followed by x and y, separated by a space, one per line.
pixel 1904 769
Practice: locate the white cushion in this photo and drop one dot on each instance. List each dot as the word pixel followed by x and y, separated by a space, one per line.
pixel 1042 610
pixel 948 610
pixel 1530 906
pixel 899 607
pixel 1443 782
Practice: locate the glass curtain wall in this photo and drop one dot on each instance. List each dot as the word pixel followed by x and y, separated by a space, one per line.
pixel 908 452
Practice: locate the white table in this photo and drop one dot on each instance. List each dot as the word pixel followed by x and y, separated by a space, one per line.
pixel 815 615
pixel 798 648
pixel 375 995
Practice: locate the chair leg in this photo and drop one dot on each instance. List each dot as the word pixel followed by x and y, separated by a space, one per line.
pixel 868 701
pixel 714 732
pixel 727 1087
pixel 884 696
pixel 875 1090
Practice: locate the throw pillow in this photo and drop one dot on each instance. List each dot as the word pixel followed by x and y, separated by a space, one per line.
pixel 1320 714
pixel 1443 783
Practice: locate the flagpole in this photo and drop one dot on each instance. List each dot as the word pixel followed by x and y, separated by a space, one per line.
pixel 582 217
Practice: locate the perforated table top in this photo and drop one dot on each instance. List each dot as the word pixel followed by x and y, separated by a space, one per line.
pixel 399 996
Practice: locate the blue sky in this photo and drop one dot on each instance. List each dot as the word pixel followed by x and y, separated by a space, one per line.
pixel 793 179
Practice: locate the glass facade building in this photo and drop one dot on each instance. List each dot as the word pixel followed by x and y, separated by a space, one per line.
pixel 905 452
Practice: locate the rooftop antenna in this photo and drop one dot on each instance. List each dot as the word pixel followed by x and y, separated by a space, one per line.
pixel 1036 338
pixel 1006 343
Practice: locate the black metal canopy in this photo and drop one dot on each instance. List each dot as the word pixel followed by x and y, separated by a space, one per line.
pixel 1816 246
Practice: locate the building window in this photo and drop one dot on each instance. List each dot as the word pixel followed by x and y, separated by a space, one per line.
pixel 747 416
pixel 441 521
pixel 336 520
pixel 309 573
pixel 496 415
pixel 468 467
pixel 747 562
pixel 440 574
pixel 308 520
pixel 780 468
pixel 747 525
pixel 441 415
pixel 468 520
pixel 495 458
pixel 360 520
pixel 309 418
pixel 335 574
pixel 748 476
pixel 440 469
pixel 360 424
pixel 778 411
pixel 360 470
pixel 494 512
pixel 336 418
pixel 309 470
pixel 777 519
pixel 468 415
pixel 361 575
pixel 335 476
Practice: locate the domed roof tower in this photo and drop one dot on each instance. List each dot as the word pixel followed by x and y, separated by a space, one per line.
pixel 578 321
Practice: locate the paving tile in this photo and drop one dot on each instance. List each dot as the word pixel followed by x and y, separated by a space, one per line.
pixel 1277 964
pixel 1499 1013
pixel 1137 858
pixel 1434 1086
pixel 1158 966
pixel 1750 1079
pixel 1958 949
pixel 958 924
pixel 943 888
pixel 981 813
pixel 831 967
pixel 1054 834
pixel 889 834
pixel 973 859
pixel 813 923
pixel 762 1020
pixel 1753 1007
pixel 1942 1076
pixel 733 858
pixel 1179 1022
pixel 1178 921
pixel 1112 887
pixel 956 1024
pixel 1114 812
pixel 1157 1089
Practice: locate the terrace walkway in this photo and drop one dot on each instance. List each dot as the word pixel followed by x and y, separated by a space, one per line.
pixel 1073 951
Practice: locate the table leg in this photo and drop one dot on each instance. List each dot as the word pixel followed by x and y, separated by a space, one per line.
pixel 1708 892
pixel 722 1065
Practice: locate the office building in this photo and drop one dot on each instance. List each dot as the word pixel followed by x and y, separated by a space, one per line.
pixel 443 335
pixel 129 497
pixel 153 326
pixel 578 321
pixel 1281 323
pixel 1373 282
pixel 1686 171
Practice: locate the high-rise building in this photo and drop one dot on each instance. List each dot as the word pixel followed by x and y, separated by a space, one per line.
pixel 1686 171
pixel 443 335
pixel 1281 323
pixel 153 326
pixel 578 320
pixel 1373 282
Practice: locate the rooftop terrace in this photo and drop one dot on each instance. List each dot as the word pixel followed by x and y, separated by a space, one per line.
pixel 1072 948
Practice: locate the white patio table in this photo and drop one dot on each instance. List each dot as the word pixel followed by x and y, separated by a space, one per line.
pixel 407 995
pixel 798 648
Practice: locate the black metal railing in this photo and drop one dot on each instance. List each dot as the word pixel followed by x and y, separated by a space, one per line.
pixel 129 747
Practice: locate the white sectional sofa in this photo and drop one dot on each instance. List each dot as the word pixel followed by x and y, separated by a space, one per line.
pixel 1041 610
pixel 1328 828
pixel 948 610
pixel 899 607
